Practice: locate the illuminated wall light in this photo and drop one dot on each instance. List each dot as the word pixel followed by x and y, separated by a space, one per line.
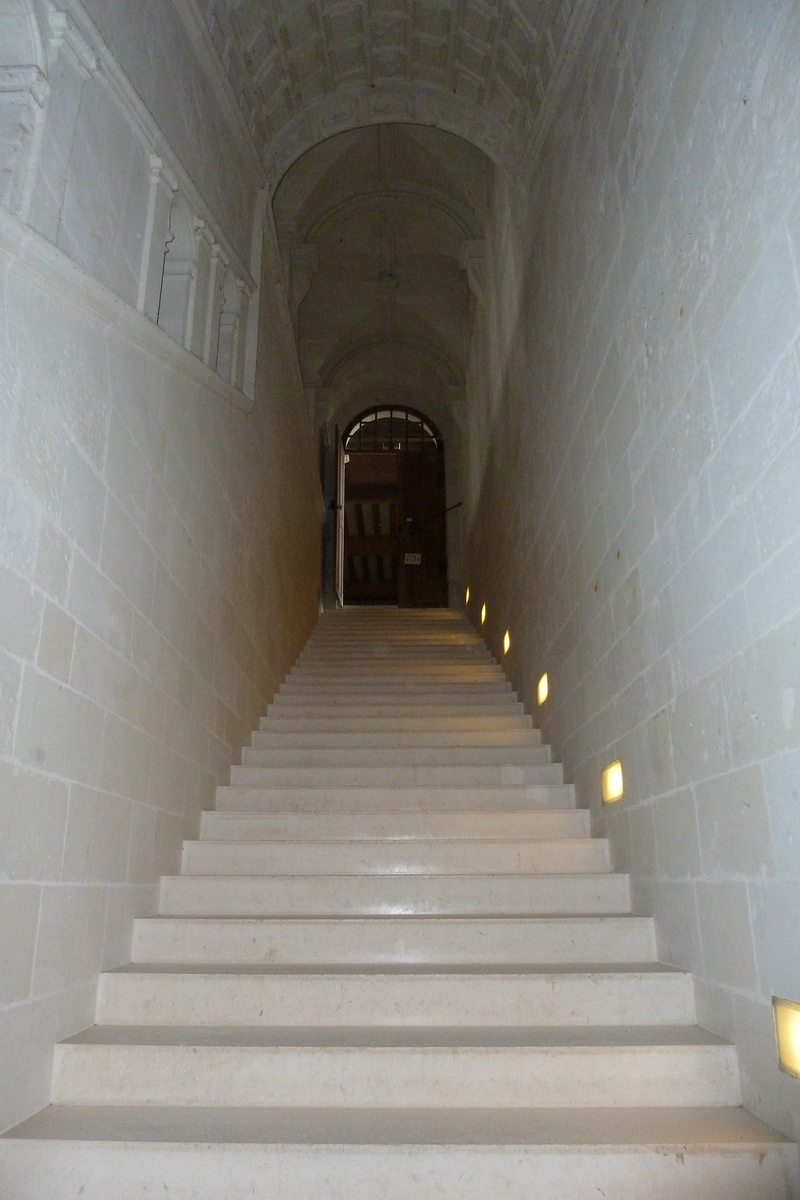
pixel 483 615
pixel 787 1035
pixel 542 690
pixel 466 598
pixel 611 782
pixel 506 643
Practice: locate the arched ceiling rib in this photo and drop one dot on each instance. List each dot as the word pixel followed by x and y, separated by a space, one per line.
pixel 373 224
pixel 411 164
pixel 412 199
pixel 487 70
pixel 379 357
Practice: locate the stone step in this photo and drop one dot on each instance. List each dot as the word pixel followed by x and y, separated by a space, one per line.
pixel 330 798
pixel 275 737
pixel 389 776
pixel 400 655
pixel 428 675
pixel 454 633
pixel 392 857
pixel 398 658
pixel 507 998
pixel 397 1154
pixel 324 706
pixel 468 724
pixel 401 825
pixel 397 940
pixel 440 1067
pixel 400 961
pixel 457 637
pixel 412 895
pixel 395 650
pixel 367 696
pixel 403 661
pixel 319 736
pixel 400 692
pixel 400 755
pixel 312 675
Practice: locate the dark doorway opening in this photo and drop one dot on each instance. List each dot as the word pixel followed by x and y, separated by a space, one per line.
pixel 393 535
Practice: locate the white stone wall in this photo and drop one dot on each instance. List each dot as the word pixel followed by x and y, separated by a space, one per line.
pixel 634 465
pixel 157 203
pixel 160 50
pixel 159 559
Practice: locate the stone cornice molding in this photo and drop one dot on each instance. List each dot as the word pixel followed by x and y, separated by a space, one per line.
pixel 53 272
pixel 30 79
pixel 64 33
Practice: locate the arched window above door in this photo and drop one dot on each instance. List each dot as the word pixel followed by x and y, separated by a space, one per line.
pixel 383 428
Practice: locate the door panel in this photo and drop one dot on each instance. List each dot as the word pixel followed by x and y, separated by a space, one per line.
pixel 371 542
pixel 340 514
pixel 423 579
pixel 393 519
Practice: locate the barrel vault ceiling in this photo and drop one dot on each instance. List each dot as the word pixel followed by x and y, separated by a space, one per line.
pixel 485 69
pixel 379 123
pixel 373 225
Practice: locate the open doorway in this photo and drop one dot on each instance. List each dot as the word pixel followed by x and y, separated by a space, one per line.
pixel 392 525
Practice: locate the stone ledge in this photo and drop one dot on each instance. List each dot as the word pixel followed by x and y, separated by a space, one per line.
pixel 27 252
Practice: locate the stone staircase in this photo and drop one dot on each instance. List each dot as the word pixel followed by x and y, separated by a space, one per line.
pixel 395 965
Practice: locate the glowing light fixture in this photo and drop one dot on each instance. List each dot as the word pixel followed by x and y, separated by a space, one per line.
pixel 483 615
pixel 611 782
pixel 466 598
pixel 787 1035
pixel 542 690
pixel 506 642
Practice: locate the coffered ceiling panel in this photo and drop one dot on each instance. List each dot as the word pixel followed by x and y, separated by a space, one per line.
pixel 306 69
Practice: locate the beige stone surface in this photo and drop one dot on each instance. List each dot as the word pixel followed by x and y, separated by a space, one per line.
pixel 575 242
pixel 134 488
pixel 329 1025
pixel 634 408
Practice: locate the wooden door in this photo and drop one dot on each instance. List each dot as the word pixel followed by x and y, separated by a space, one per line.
pixel 341 458
pixel 371 522
pixel 423 560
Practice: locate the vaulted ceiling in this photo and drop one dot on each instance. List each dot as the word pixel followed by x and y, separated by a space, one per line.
pixel 373 226
pixel 379 208
pixel 485 69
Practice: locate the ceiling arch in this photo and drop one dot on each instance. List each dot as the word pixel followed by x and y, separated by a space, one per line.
pixel 404 163
pixel 487 70
pixel 373 225
pixel 403 357
pixel 411 198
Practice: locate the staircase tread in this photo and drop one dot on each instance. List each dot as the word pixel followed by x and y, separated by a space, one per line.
pixel 341 946
pixel 407 841
pixel 694 1128
pixel 377 970
pixel 480 1038
pixel 416 875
